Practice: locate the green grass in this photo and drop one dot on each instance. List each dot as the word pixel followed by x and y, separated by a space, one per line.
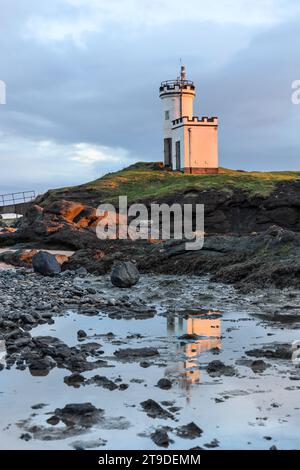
pixel 148 180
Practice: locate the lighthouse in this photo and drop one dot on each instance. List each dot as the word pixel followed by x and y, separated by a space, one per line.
pixel 190 142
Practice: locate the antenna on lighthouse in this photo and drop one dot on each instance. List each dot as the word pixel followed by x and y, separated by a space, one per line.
pixel 182 72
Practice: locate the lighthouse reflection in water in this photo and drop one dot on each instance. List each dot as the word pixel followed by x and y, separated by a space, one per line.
pixel 205 325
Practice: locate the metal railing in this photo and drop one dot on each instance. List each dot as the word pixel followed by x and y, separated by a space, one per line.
pixel 177 82
pixel 16 198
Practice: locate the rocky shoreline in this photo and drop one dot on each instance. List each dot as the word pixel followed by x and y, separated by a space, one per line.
pixel 271 257
pixel 249 240
pixel 221 319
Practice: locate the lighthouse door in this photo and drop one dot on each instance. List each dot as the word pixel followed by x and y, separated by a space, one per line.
pixel 178 166
pixel 168 152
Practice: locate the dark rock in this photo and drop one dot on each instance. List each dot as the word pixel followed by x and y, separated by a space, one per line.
pixel 102 381
pixel 123 387
pixel 125 275
pixel 131 311
pixel 41 366
pixel 53 420
pixel 174 409
pixel 94 260
pixel 273 351
pixel 189 431
pixel 167 403
pixel 74 380
pixel 21 342
pixel 38 406
pixel 46 264
pixel 218 368
pixel 47 352
pixel 164 384
pixel 27 318
pixel 189 337
pixel 52 346
pixel 79 364
pixel 20 258
pixel 213 444
pixel 154 410
pixel 161 438
pixel 145 364
pixel 136 353
pixel 90 348
pixel 81 334
pixel 259 366
pixel 26 436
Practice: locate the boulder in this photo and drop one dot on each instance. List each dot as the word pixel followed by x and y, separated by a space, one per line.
pixel 125 275
pixel 46 264
pixel 164 384
pixel 41 366
pixel 81 334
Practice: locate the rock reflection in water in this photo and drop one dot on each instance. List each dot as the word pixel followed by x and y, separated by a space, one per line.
pixel 206 327
pixel 2 353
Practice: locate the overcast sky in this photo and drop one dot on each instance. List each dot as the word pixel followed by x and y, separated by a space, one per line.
pixel 82 81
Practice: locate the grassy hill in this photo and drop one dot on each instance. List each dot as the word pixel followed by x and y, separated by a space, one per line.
pixel 147 180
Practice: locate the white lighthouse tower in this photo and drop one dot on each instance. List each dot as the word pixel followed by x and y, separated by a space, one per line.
pixel 190 143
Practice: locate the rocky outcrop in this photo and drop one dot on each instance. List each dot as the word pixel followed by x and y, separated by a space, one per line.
pixel 63 223
pixel 72 224
pixel 250 239
pixel 271 257
pixel 21 258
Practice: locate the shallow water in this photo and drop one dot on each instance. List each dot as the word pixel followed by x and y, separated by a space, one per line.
pixel 254 406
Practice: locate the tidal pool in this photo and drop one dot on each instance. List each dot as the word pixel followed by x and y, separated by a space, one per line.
pixel 247 410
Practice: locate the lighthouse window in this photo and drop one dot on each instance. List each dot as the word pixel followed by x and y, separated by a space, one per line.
pixel 167 115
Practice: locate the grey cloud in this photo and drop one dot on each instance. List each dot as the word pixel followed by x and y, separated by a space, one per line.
pixel 106 93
